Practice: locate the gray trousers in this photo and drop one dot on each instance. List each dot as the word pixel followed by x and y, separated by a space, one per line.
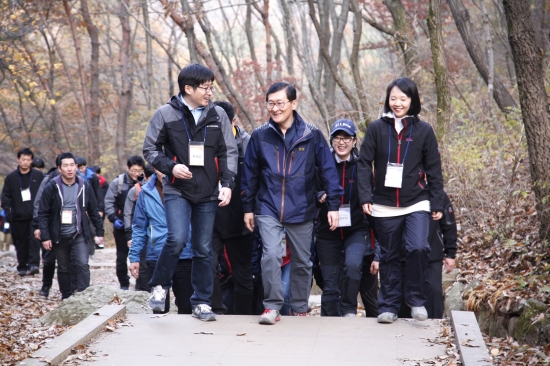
pixel 298 238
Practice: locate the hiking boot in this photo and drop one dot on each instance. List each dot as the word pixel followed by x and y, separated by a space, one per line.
pixel 45 291
pixel 22 273
pixel 270 316
pixel 387 318
pixel 157 298
pixel 203 312
pixel 419 313
pixel 99 246
pixel 125 288
pixel 350 315
pixel 294 313
pixel 33 270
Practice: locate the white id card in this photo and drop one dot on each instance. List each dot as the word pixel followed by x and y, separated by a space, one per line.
pixel 283 245
pixel 66 217
pixel 196 153
pixel 344 214
pixel 6 226
pixel 394 175
pixel 26 195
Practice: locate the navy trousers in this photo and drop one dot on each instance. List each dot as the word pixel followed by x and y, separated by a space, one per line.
pixel 414 227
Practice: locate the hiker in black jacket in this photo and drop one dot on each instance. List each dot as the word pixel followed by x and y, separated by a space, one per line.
pixel 66 205
pixel 18 194
pixel 190 141
pixel 407 193
pixel 232 238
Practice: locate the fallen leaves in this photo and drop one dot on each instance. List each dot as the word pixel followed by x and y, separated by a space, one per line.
pixel 20 309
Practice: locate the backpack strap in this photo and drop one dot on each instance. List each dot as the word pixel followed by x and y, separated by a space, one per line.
pixel 138 189
pixel 120 183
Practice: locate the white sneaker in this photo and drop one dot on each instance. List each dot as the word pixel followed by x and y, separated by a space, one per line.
pixel 419 313
pixel 157 299
pixel 203 312
pixel 270 316
pixel 387 318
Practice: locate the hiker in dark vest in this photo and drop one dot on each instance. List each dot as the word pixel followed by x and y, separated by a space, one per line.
pixel 114 210
pixel 65 208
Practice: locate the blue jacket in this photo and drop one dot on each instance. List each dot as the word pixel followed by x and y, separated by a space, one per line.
pixel 149 225
pixel 280 182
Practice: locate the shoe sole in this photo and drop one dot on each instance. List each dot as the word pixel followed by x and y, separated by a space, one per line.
pixel 209 319
pixel 420 317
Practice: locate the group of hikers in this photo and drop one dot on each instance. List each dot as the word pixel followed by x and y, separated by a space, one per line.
pixel 238 224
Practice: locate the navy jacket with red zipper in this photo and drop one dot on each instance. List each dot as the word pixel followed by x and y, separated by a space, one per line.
pixel 421 162
pixel 347 172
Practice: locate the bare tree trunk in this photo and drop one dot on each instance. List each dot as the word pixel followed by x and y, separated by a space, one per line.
pixel 491 76
pixel 149 53
pixel 189 30
pixel 83 83
pixel 328 59
pixel 264 13
pixel 404 34
pixel 94 79
pixel 440 70
pixel 354 59
pixel 250 38
pixel 126 88
pixel 461 16
pixel 288 38
pixel 534 104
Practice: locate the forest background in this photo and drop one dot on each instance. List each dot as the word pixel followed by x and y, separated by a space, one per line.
pixel 86 76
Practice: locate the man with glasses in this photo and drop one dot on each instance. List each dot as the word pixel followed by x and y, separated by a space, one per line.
pixel 190 141
pixel 114 210
pixel 277 190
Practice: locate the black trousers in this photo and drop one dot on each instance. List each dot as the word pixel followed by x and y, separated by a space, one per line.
pixel 239 253
pixel 48 271
pixel 122 258
pixel 26 246
pixel 369 289
pixel 414 227
pixel 143 279
pixel 72 253
pixel 435 304
pixel 181 285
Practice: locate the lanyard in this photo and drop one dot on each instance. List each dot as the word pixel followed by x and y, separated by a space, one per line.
pixel 21 182
pixel 389 144
pixel 187 131
pixel 351 181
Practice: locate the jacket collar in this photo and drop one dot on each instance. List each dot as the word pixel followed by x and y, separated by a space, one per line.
pixel 150 189
pixel 389 117
pixel 78 180
pixel 302 129
pixel 208 111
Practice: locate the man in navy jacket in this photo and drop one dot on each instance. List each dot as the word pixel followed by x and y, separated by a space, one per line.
pixel 277 189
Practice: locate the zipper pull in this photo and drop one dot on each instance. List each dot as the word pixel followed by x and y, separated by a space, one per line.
pixel 399 142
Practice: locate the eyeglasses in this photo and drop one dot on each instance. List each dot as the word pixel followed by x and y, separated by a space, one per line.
pixel 136 171
pixel 211 89
pixel 339 139
pixel 280 104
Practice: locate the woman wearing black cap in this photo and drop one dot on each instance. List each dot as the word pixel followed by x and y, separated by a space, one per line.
pixel 407 193
pixel 352 239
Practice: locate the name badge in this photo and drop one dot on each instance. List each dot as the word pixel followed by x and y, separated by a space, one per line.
pixel 394 175
pixel 66 217
pixel 196 153
pixel 283 246
pixel 344 213
pixel 6 226
pixel 26 195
